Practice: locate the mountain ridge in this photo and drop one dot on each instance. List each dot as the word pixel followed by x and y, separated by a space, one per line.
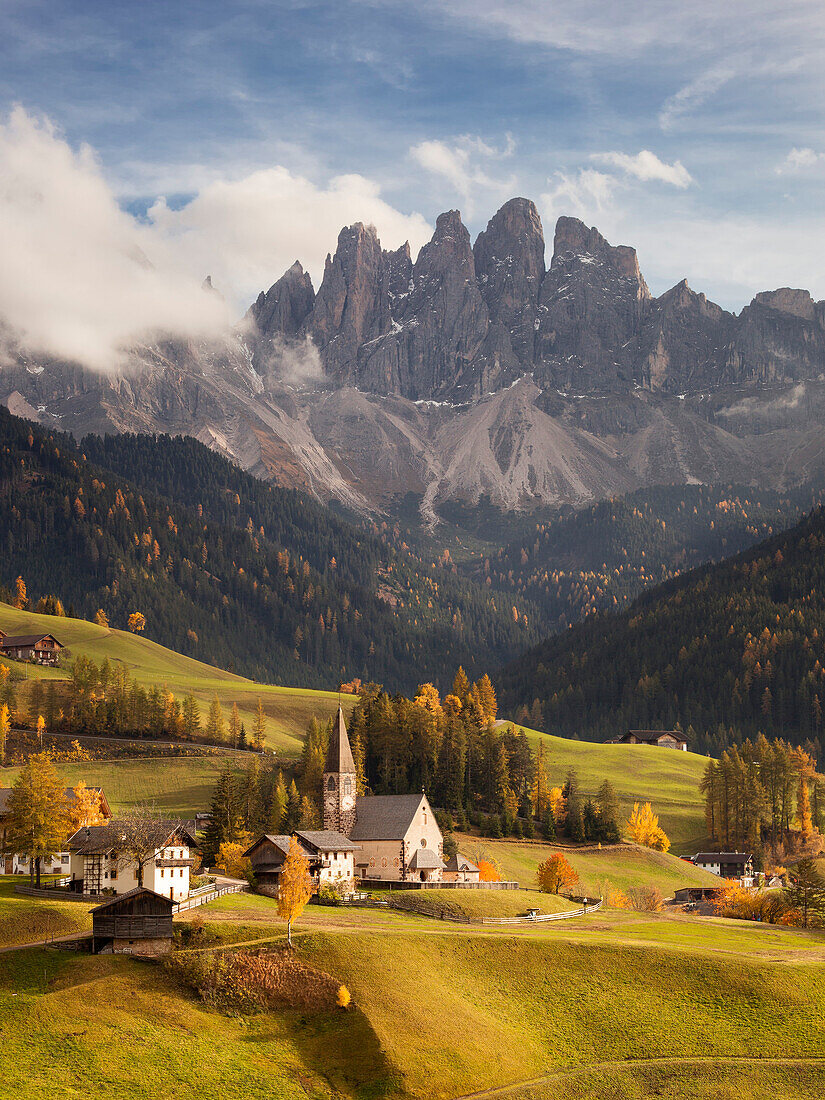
pixel 572 380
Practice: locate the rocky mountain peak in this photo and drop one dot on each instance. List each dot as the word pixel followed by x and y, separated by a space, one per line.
pixel 509 263
pixel 283 308
pixel 573 238
pixel 799 303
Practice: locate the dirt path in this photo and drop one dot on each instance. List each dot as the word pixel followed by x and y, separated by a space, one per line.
pixel 574 1071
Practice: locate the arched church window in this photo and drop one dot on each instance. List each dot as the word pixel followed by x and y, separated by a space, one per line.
pixel 423 842
pixel 331 783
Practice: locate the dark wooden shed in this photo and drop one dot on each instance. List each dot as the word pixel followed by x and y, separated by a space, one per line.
pixel 137 923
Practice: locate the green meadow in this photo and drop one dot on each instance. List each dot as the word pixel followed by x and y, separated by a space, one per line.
pixel 288 710
pixel 640 773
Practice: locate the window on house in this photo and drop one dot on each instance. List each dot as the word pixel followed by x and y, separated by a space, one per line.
pixel 331 783
pixel 423 842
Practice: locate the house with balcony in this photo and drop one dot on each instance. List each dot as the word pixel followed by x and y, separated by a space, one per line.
pixel 116 859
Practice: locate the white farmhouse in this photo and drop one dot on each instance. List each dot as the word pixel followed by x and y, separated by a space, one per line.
pixel 103 859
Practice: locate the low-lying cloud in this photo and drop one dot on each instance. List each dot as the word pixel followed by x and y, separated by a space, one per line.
pixel 83 280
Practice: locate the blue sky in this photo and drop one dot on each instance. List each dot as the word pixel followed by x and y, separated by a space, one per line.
pixel 695 134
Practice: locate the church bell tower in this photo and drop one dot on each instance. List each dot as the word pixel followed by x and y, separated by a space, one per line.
pixel 339 780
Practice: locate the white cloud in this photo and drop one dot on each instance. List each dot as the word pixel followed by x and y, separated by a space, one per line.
pixel 798 160
pixel 647 166
pixel 694 94
pixel 82 280
pixel 464 164
pixel 246 232
pixel 587 194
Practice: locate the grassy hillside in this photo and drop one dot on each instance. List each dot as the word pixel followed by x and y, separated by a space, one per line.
pixel 629 1005
pixel 288 710
pixel 668 779
pixel 622 865
pixel 29 920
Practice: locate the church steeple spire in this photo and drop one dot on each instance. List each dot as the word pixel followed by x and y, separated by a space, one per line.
pixel 339 780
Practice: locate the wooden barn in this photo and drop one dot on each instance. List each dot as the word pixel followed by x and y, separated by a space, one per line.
pixel 137 923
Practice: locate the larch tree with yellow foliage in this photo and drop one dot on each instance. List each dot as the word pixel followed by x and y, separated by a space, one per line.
pixel 5 729
pixel 41 729
pixel 295 886
pixel 643 828
pixel 85 808
pixel 136 622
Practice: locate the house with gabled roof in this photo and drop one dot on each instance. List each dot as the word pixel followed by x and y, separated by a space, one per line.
pixel 42 648
pixel 460 869
pixel 329 853
pixel 663 739
pixel 102 861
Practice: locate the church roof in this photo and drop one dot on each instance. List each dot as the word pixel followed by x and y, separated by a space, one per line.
pixel 384 816
pixel 339 753
pixel 425 859
pixel 459 862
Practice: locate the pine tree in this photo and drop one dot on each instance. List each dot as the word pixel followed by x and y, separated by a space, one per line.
pixel 224 822
pixel 806 890
pixel 292 819
pixel 190 714
pixel 278 809
pixel 215 725
pixel 260 726
pixel 234 727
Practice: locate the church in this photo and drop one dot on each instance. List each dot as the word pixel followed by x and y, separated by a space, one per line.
pixel 397 836
pixel 377 838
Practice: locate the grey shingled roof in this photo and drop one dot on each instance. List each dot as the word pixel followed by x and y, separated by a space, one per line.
pixel 425 859
pixel 459 862
pixel 327 840
pixel 98 839
pixel 654 735
pixel 384 816
pixel 722 857
pixel 310 842
pixel 131 894
pixel 339 753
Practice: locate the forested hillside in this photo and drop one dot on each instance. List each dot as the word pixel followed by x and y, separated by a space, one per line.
pixel 602 557
pixel 232 571
pixel 727 650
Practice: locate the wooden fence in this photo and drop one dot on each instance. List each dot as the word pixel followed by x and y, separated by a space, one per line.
pixel 207 895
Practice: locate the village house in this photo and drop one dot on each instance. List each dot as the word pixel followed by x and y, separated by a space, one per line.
pixel 738 865
pixel 459 869
pixel 12 863
pixel 100 860
pixel 44 649
pixel 664 739
pixel 329 854
pixel 136 923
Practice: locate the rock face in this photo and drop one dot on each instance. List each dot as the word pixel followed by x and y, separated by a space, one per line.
pixel 592 306
pixel 474 371
pixel 509 264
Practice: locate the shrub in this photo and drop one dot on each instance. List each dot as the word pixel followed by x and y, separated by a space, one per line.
pixel 645 899
pixel 343 997
pixel 244 982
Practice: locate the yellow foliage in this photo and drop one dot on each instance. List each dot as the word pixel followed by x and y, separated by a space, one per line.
pixel 85 807
pixel 231 860
pixel 295 886
pixel 343 997
pixel 137 622
pixel 555 873
pixel 643 827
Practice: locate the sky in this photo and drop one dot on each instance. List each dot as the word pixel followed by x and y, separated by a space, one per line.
pixel 143 146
